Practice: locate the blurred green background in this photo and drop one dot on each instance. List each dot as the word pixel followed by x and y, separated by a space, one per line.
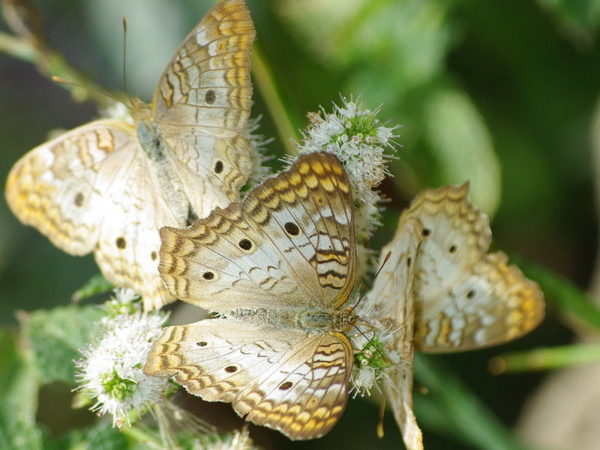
pixel 501 92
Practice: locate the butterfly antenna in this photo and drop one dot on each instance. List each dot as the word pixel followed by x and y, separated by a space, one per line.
pixel 61 80
pixel 100 93
pixel 381 416
pixel 388 255
pixel 125 86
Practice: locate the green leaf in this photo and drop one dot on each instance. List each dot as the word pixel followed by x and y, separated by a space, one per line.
pixel 56 336
pixel 18 396
pixel 95 285
pixel 574 15
pixel 545 358
pixel 106 437
pixel 103 436
pixel 464 416
pixel 462 146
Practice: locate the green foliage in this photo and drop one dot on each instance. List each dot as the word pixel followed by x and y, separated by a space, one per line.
pixel 18 395
pixel 500 93
pixel 95 285
pixel 18 432
pixel 55 338
pixel 451 408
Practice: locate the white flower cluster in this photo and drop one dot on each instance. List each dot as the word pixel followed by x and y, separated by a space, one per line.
pixel 373 357
pixel 354 136
pixel 110 370
pixel 358 139
pixel 257 152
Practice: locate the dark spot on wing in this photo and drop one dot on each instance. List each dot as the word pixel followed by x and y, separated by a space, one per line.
pixel 285 386
pixel 78 200
pixel 292 228
pixel 210 97
pixel 245 244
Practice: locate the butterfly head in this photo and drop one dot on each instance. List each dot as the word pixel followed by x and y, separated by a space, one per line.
pixel 347 319
pixel 139 110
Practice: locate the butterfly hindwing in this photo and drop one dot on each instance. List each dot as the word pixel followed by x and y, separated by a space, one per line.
pixel 128 244
pixel 285 379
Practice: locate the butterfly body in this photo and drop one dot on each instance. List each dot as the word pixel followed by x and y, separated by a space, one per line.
pixel 310 320
pixel 279 266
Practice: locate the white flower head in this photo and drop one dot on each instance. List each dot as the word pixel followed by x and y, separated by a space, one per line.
pixel 375 355
pixel 257 148
pixel 117 110
pixel 363 145
pixel 356 137
pixel 124 302
pixel 111 368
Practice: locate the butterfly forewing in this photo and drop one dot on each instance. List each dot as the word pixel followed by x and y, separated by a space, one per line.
pixel 57 187
pixel 219 90
pixel 465 297
pixel 306 213
pixel 393 296
pixel 292 236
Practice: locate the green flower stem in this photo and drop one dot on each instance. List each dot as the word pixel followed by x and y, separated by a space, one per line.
pixel 546 358
pixel 265 80
pixel 143 436
pixel 52 65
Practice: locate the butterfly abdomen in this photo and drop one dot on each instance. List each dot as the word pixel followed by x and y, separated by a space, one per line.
pixel 306 319
pixel 163 174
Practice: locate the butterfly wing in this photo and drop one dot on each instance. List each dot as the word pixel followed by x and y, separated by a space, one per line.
pixel 55 187
pixel 290 242
pixel 393 296
pixel 133 210
pixel 466 298
pixel 202 105
pixel 90 190
pixel 282 379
